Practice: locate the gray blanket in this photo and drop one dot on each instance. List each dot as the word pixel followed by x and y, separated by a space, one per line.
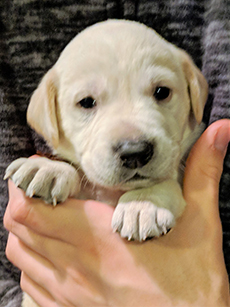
pixel 33 32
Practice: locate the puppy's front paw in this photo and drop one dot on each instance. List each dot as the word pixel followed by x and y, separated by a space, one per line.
pixel 53 181
pixel 139 220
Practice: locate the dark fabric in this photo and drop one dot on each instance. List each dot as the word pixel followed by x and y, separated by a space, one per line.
pixel 33 33
pixel 216 68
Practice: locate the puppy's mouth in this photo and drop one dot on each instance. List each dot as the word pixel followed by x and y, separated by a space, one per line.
pixel 136 177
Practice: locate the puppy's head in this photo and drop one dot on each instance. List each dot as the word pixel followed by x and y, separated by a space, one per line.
pixel 120 103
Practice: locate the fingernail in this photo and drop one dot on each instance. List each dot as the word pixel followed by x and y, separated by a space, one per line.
pixel 222 138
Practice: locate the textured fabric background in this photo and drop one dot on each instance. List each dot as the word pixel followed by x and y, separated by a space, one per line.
pixel 32 34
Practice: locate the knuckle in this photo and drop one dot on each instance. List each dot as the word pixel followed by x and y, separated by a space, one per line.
pixel 10 250
pixel 20 210
pixel 23 282
pixel 211 172
pixel 7 221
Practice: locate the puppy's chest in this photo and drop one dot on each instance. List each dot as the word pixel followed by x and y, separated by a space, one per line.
pixel 98 193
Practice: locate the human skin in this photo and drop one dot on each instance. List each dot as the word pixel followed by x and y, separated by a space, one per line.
pixel 69 255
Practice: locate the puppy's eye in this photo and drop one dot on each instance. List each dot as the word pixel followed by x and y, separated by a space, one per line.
pixel 162 93
pixel 87 103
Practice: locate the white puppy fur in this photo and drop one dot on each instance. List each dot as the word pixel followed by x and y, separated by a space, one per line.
pixel 126 141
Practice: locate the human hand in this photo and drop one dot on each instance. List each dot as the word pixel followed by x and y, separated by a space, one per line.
pixel 70 257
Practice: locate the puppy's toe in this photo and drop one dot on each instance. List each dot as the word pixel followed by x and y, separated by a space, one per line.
pixel 125 221
pixel 165 220
pixel 24 174
pixel 130 229
pixel 41 184
pixel 13 167
pixel 117 219
pixel 147 223
pixel 65 186
pixel 54 183
pixel 155 221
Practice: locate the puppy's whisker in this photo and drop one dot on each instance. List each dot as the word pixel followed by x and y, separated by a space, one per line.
pixel 77 168
pixel 84 181
pixel 81 182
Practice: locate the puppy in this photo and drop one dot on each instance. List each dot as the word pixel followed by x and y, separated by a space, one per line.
pixel 123 106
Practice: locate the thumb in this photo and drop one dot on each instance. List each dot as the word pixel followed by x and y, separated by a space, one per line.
pixel 204 167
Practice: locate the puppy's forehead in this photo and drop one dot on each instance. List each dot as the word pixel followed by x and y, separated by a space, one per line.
pixel 123 44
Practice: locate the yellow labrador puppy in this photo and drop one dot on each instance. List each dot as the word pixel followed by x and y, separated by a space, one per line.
pixel 123 106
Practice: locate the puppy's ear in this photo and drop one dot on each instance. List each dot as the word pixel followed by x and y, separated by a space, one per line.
pixel 197 86
pixel 41 113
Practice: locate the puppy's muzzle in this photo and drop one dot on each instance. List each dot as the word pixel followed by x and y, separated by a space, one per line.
pixel 134 154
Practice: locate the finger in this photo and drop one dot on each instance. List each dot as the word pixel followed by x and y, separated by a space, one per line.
pixel 39 275
pixel 204 167
pixel 39 294
pixel 200 223
pixel 42 280
pixel 43 246
pixel 36 267
pixel 201 190
pixel 70 217
pixel 72 294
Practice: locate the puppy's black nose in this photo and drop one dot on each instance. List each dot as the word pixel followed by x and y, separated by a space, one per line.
pixel 134 154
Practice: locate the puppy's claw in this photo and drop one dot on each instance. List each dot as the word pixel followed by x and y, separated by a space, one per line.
pixel 17 183
pixel 7 175
pixel 115 230
pixel 164 230
pixel 55 201
pixel 30 193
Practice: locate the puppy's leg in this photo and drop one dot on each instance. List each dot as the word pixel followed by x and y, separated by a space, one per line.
pixel 27 301
pixel 148 212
